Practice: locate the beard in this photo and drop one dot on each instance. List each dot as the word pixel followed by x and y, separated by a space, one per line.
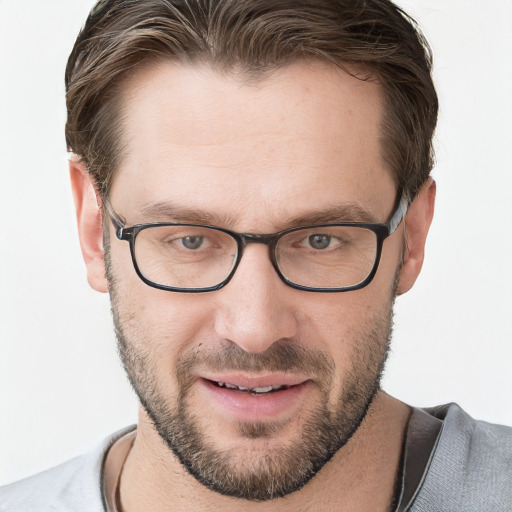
pixel 259 474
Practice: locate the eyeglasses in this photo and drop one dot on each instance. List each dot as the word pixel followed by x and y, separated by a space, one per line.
pixel 181 257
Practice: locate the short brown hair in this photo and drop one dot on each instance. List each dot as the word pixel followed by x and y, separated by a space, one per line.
pixel 252 37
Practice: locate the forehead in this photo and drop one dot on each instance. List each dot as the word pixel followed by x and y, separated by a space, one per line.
pixel 305 137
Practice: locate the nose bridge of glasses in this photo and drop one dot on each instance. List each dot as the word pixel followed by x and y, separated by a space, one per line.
pixel 270 240
pixel 251 238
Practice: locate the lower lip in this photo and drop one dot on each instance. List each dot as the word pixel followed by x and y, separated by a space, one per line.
pixel 246 406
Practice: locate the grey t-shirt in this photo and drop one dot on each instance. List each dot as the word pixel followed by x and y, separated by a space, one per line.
pixel 469 469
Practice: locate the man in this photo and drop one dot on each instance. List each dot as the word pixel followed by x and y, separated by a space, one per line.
pixel 252 188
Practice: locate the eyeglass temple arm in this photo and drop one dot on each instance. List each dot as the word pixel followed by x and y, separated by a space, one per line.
pixel 399 214
pixel 117 222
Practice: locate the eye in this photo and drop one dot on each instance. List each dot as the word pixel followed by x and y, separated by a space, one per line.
pixel 192 242
pixel 319 241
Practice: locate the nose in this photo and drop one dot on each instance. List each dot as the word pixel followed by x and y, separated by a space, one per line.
pixel 256 309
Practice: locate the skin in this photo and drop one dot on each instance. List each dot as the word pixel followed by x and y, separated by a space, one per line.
pixel 254 158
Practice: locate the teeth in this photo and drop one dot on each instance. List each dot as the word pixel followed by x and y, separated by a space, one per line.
pixel 266 389
pixel 263 390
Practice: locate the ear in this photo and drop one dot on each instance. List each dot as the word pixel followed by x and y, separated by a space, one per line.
pixel 90 228
pixel 417 224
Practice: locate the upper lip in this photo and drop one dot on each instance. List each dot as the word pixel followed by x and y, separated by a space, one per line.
pixel 256 381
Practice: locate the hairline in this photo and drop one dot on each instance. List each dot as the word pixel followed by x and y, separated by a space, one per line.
pixel 251 77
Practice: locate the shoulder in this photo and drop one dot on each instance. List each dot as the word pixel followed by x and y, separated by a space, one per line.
pixel 470 468
pixel 72 486
pixel 476 446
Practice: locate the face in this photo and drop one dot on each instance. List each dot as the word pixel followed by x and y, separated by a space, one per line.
pixel 292 149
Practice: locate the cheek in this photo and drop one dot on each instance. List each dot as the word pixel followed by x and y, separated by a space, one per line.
pixel 159 323
pixel 335 318
pixel 352 327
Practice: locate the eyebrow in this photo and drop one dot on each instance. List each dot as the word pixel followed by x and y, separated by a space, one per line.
pixel 348 212
pixel 168 212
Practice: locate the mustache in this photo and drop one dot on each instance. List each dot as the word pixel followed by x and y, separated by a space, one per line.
pixel 285 357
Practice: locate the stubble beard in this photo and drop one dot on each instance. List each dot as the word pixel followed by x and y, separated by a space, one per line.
pixel 286 467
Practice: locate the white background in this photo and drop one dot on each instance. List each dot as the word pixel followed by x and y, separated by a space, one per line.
pixel 61 387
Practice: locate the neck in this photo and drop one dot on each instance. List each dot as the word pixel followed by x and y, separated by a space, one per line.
pixel 360 477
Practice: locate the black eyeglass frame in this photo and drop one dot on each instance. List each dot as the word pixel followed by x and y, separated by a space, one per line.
pixel 381 230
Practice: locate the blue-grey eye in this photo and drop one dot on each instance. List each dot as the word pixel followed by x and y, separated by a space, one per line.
pixel 319 241
pixel 192 242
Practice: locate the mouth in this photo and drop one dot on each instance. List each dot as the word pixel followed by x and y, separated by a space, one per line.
pixel 255 391
pixel 255 398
